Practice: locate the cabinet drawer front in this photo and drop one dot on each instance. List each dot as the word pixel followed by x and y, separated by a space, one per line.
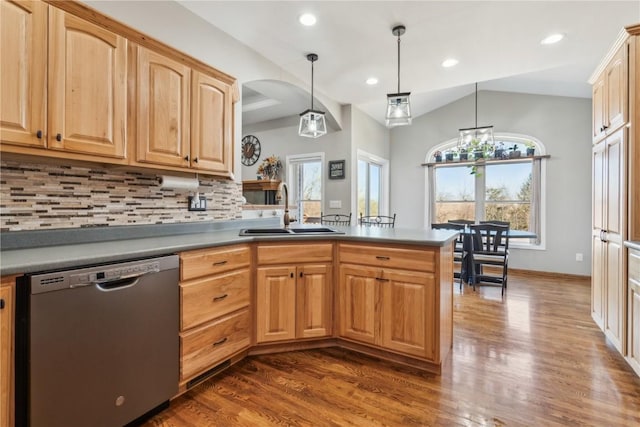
pixel 210 297
pixel 634 265
pixel 211 261
pixel 301 252
pixel 205 347
pixel 379 256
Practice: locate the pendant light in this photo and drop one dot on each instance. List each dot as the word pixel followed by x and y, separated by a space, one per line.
pixel 398 106
pixel 312 123
pixel 482 135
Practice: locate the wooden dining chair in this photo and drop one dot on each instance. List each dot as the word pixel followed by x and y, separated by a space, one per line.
pixel 378 221
pixel 335 219
pixel 459 250
pixel 489 248
pixel 461 221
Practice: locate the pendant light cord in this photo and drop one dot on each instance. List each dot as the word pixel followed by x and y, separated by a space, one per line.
pixel 398 63
pixel 312 84
pixel 476 105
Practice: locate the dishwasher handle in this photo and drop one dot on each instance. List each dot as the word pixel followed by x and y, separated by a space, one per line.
pixel 120 283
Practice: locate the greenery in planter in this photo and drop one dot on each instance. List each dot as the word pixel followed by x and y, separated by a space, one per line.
pixel 514 151
pixel 531 148
pixel 437 156
pixel 464 154
pixel 498 151
pixel 450 154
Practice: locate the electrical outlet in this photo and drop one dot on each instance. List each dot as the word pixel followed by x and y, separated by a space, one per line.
pixel 197 203
pixel 579 257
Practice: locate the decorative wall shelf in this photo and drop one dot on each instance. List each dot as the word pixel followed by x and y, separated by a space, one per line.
pixel 269 186
pixel 485 161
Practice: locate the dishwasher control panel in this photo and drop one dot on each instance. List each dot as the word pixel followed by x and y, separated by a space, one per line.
pixel 48 282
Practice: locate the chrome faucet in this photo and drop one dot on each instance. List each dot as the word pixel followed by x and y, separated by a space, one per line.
pixel 285 218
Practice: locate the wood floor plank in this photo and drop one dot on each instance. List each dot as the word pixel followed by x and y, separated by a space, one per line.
pixel 534 357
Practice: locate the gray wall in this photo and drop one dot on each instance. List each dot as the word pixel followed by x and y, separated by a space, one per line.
pixel 561 124
pixel 285 141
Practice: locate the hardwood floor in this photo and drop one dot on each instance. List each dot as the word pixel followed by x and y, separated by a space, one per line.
pixel 534 358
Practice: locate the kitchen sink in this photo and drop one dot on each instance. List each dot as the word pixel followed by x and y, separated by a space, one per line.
pixel 289 231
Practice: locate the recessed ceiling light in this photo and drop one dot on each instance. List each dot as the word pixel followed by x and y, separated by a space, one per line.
pixel 307 19
pixel 450 62
pixel 372 81
pixel 553 38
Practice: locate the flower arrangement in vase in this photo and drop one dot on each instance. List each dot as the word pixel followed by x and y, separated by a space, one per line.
pixel 270 167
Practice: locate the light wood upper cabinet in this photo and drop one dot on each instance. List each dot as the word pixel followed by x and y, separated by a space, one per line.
pixel 63 82
pixel 87 87
pixel 23 66
pixel 211 124
pixel 610 96
pixel 162 110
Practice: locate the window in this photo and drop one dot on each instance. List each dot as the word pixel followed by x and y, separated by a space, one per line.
pixel 371 185
pixel 509 190
pixel 305 183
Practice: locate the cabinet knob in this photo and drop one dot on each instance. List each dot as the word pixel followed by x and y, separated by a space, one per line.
pixel 1 304
pixel 605 127
pixel 186 158
pixel 195 160
pixel 39 134
pixel 301 274
pixel 58 137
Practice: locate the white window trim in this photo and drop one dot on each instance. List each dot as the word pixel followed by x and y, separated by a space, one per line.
pixel 297 158
pixel 384 191
pixel 541 150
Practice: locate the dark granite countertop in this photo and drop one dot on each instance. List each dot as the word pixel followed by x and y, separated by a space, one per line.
pixel 62 249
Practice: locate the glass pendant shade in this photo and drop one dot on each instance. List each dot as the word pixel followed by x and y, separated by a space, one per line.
pixel 398 104
pixel 312 124
pixel 398 109
pixel 482 135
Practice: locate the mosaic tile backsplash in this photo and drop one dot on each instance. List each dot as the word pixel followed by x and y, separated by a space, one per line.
pixel 37 196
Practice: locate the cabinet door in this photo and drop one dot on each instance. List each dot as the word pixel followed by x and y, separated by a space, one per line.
pixel 599 109
pixel 616 86
pixel 615 295
pixel 313 305
pixel 408 313
pixel 276 304
pixel 357 300
pixel 633 307
pixel 211 124
pixel 163 88
pixel 87 87
pixel 598 281
pixel 6 356
pixel 23 67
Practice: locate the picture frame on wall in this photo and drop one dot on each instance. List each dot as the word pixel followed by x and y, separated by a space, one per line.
pixel 336 169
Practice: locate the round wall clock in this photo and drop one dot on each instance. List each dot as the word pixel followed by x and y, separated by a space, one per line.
pixel 250 150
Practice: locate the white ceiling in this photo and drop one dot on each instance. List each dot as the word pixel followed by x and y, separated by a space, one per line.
pixel 496 42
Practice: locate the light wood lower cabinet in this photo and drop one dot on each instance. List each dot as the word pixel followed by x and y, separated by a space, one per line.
pixel 7 286
pixel 293 302
pixel 393 309
pixel 389 307
pixel 633 308
pixel 294 290
pixel 215 300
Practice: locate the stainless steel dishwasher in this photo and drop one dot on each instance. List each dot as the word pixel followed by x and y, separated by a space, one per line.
pixel 100 344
